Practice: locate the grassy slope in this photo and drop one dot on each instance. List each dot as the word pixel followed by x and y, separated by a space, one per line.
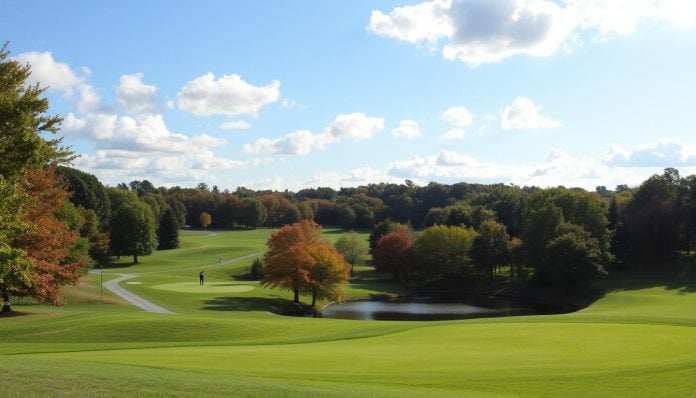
pixel 638 340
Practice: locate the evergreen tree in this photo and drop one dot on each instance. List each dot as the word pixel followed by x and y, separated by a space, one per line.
pixel 168 231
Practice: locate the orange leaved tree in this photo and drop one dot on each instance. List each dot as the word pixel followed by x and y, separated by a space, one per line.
pixel 49 241
pixel 299 261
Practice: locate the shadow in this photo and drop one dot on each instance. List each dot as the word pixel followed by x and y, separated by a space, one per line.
pixel 276 305
pixel 674 275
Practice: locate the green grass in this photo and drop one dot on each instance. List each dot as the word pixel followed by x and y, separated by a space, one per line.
pixel 638 340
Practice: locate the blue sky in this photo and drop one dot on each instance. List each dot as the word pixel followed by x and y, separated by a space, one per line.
pixel 294 94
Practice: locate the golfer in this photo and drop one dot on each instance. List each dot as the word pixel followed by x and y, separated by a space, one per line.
pixel 201 276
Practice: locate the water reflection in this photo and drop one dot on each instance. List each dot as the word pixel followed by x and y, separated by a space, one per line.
pixel 432 309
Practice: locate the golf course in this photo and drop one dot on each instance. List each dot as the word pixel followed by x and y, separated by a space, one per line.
pixel 225 338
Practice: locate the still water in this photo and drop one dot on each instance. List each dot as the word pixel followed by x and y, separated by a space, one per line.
pixel 437 309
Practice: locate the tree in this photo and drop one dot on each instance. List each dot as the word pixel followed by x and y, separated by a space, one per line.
pixel 443 251
pixel 491 248
pixel 354 249
pixel 345 216
pixel 168 231
pixel 394 253
pixel 133 229
pixel 23 122
pixel 287 261
pixel 328 273
pixel 252 213
pixel 15 267
pixel 204 219
pixel 573 261
pixel 382 229
pixel 49 243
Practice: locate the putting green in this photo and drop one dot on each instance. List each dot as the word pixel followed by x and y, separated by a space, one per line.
pixel 209 287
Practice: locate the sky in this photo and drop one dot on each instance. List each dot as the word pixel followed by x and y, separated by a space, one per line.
pixel 295 94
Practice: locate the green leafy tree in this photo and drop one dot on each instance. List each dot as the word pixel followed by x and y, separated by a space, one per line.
pixel 443 251
pixel 15 267
pixel 23 122
pixel 573 261
pixel 133 230
pixel 354 249
pixel 491 248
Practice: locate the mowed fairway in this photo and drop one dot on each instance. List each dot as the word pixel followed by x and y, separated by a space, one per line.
pixel 639 340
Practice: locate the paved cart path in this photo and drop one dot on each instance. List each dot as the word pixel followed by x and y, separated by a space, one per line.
pixel 149 306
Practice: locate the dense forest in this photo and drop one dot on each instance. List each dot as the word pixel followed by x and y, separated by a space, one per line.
pixel 566 237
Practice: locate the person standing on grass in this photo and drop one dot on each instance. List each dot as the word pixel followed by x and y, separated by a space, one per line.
pixel 201 276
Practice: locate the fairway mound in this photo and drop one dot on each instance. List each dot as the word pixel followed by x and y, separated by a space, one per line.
pixel 209 287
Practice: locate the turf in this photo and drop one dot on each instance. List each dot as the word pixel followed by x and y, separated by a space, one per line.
pixel 638 340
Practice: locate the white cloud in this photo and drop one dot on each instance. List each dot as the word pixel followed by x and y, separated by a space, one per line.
pixel 137 97
pixel 428 21
pixel 454 134
pixel 484 31
pixel 235 125
pixel 356 126
pixel 59 76
pixel 458 116
pixel 407 129
pixel 228 95
pixel 663 153
pixel 46 71
pixel 525 114
pixel 299 142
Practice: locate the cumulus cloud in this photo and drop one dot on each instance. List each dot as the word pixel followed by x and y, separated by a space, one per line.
pixel 228 95
pixel 483 31
pixel 457 116
pixel 663 153
pixel 235 125
pixel 60 77
pixel 46 71
pixel 299 142
pixel 428 21
pixel 525 114
pixel 407 129
pixel 355 126
pixel 137 97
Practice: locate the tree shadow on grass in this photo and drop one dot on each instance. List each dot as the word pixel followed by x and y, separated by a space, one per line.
pixel 275 305
pixel 674 275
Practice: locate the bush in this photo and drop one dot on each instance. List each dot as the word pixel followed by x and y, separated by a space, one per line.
pixel 255 269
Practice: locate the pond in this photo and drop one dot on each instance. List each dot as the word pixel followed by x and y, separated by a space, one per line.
pixel 441 308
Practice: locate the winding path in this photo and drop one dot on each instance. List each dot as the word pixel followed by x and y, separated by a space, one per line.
pixel 149 306
pixel 133 298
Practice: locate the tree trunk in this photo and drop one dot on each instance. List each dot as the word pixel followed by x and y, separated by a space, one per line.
pixel 6 308
pixel 314 298
pixel 351 269
pixel 297 296
pixel 135 259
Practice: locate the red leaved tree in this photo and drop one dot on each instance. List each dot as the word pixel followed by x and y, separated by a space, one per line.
pixel 394 253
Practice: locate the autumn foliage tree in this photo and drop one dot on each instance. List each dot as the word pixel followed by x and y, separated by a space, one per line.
pixel 394 253
pixel 36 247
pixel 48 242
pixel 299 261
pixel 204 219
